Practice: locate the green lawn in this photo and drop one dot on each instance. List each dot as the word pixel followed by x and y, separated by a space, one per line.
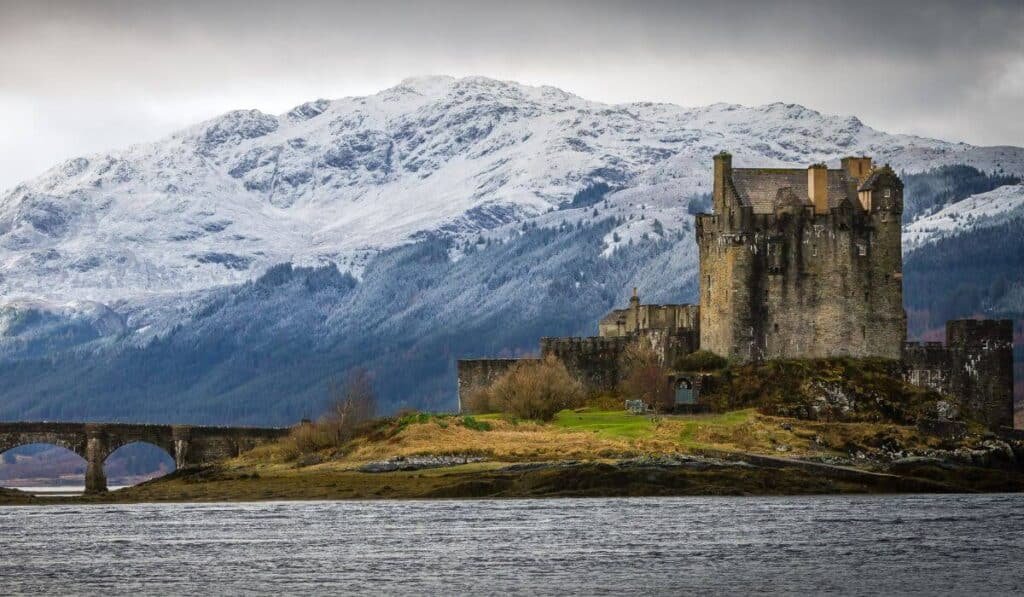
pixel 613 423
pixel 621 424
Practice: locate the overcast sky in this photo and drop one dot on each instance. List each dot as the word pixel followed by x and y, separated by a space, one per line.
pixel 83 76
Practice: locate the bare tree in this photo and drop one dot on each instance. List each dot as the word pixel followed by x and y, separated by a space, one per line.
pixel 352 403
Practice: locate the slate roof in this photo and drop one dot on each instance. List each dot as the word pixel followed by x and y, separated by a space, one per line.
pixel 878 174
pixel 763 187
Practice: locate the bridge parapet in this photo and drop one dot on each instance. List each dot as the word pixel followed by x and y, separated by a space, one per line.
pixel 189 445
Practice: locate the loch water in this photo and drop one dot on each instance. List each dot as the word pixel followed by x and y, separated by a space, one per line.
pixel 864 545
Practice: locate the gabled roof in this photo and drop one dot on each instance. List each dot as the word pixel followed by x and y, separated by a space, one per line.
pixel 764 188
pixel 878 175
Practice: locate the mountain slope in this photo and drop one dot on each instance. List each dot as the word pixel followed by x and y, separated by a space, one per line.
pixel 336 181
pixel 229 272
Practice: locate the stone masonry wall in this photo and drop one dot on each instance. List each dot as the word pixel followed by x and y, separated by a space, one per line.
pixel 974 368
pixel 927 364
pixel 477 373
pixel 800 284
pixel 981 359
pixel 595 360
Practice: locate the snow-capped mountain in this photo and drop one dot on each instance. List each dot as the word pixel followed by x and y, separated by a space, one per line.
pixel 229 272
pixel 337 181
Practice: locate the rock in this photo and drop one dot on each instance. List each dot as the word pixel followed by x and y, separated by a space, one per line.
pixel 415 463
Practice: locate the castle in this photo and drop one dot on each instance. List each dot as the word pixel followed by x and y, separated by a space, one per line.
pixel 797 263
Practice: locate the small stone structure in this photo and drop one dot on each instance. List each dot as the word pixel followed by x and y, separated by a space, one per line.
pixel 975 366
pixel 188 445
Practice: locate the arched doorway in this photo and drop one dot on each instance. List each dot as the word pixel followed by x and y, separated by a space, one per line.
pixel 685 394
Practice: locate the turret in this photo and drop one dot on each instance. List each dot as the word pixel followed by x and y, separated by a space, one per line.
pixel 634 308
pixel 882 191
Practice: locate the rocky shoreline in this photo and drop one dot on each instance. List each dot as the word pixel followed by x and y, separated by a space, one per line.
pixel 461 476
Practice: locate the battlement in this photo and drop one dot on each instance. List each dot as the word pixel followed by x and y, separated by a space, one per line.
pixel 980 333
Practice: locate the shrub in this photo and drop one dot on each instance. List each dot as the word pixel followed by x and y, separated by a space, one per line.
pixel 529 390
pixel 645 378
pixel 473 424
pixel 702 360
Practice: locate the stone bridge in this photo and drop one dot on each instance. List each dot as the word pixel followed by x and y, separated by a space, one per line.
pixel 188 445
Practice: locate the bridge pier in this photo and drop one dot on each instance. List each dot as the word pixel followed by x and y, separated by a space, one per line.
pixel 182 436
pixel 97 448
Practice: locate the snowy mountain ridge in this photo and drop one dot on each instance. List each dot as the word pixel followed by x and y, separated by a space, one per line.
pixel 338 181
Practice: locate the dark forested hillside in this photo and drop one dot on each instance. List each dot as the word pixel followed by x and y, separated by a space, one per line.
pixel 927 192
pixel 978 272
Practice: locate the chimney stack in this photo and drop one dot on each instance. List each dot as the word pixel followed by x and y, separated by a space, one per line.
pixel 817 187
pixel 857 167
pixel 723 172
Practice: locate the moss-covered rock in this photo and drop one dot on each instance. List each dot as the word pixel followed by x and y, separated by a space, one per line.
pixel 835 389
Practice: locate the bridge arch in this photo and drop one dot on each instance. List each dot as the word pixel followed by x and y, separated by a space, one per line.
pixel 59 461
pixel 188 445
pixel 72 441
pixel 138 461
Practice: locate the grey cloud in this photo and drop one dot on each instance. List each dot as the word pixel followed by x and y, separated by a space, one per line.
pixel 940 68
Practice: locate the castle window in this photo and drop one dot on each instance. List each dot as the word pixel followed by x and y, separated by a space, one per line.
pixel 863 332
pixel 776 327
pixel 866 296
pixel 887 193
pixel 862 249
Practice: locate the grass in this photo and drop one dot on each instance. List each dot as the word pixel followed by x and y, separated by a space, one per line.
pixel 693 426
pixel 592 436
pixel 615 424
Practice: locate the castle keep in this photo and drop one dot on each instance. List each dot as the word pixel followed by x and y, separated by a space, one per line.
pixel 801 263
pixel 797 263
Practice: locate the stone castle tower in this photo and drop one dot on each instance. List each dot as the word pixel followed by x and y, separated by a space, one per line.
pixel 802 263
